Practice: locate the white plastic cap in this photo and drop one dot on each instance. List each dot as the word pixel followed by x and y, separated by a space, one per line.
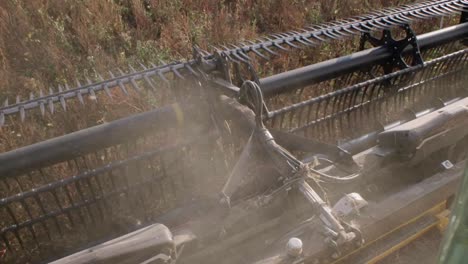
pixel 294 247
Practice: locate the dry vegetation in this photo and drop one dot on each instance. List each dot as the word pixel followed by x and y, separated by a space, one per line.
pixel 47 42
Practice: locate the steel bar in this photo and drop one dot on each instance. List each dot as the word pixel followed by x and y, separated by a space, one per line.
pixel 366 141
pixel 290 80
pixel 78 143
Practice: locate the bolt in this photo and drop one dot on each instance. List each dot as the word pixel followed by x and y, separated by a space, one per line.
pixel 294 247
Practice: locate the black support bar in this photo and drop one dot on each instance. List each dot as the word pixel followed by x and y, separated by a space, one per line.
pixel 329 69
pixel 91 139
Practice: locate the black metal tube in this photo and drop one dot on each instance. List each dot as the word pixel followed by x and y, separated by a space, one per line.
pixel 88 140
pixel 330 69
pixel 369 140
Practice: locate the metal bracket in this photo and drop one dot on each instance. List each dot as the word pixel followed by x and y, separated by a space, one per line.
pixel 240 73
pixel 199 57
pixel 219 64
pixel 396 46
pixel 243 93
pixel 222 65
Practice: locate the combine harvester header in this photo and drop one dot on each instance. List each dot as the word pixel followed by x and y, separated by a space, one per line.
pixel 341 161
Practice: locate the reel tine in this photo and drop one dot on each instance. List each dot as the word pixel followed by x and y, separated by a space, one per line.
pixel 80 97
pixel 238 57
pixel 149 82
pixel 245 56
pixel 92 94
pixel 444 10
pixel 105 85
pixel 278 46
pixel 316 36
pixel 142 66
pixel 44 213
pixel 289 43
pixel 177 73
pixel 399 19
pixel 111 74
pixel 132 70
pixel 93 194
pixel 51 102
pixel 22 113
pixel 269 50
pixel 30 227
pixel 59 205
pixel 417 15
pixel 107 90
pixel 162 77
pixel 72 203
pixel 348 29
pixel 86 205
pixel 260 54
pixel 135 85
pixel 62 99
pixel 41 103
pixel 304 41
pixel 119 83
pixel 233 59
pixel 2 119
pixel 191 70
pixel 105 202
pixel 330 34
pixel 21 108
pixel 122 73
pixel 15 230
pixel 300 118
